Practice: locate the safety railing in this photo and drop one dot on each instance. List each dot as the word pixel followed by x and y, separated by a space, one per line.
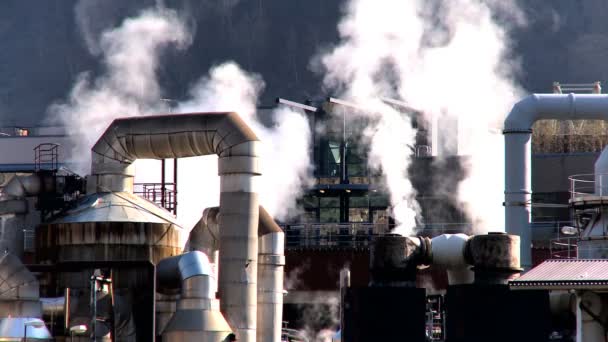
pixel 154 192
pixel 360 234
pixel 588 184
pixel 355 234
pixel 564 248
pixel 560 246
pixel 46 156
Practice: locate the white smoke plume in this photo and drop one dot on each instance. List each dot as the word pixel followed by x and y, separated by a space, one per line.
pixel 445 58
pixel 359 69
pixel 285 160
pixel 129 87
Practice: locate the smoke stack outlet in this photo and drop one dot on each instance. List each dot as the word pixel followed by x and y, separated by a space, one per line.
pixel 495 257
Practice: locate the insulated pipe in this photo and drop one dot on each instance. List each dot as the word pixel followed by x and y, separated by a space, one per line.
pixel 173 274
pixel 21 186
pixel 271 261
pixel 197 316
pixel 19 302
pixel 448 250
pixel 13 207
pixel 189 135
pixel 518 150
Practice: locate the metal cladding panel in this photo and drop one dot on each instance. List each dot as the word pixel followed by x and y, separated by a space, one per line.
pixel 384 314
pixel 570 273
pixel 107 241
pixel 481 313
pixel 16 281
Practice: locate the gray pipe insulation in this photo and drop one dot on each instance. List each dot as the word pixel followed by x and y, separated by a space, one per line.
pixel 189 135
pixel 518 152
pixel 19 289
pixel 13 207
pixel 197 315
pixel 271 261
pixel 172 274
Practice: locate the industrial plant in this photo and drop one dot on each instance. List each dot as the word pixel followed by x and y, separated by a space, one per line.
pixel 413 184
pixel 104 258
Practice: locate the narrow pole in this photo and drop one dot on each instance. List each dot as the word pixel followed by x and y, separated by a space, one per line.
pixel 162 184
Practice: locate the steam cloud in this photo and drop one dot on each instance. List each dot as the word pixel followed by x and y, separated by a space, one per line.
pixel 129 87
pixel 447 59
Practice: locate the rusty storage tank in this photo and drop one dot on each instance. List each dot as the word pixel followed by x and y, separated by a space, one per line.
pixel 115 235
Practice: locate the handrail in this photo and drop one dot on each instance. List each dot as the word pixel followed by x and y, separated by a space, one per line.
pixel 586 184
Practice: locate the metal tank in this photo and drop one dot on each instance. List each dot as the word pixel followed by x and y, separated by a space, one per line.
pixel 122 235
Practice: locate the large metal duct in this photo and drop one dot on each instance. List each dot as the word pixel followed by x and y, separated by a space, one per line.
pixel 20 308
pixel 13 207
pixel 518 151
pixel 197 316
pixel 448 250
pixel 188 135
pixel 271 260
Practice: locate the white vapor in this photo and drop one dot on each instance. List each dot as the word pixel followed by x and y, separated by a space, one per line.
pixel 285 145
pixel 129 87
pixel 444 58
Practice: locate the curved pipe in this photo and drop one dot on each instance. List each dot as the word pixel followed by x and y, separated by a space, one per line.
pixel 271 260
pixel 448 251
pixel 189 135
pixel 196 316
pixel 518 151
pixel 173 273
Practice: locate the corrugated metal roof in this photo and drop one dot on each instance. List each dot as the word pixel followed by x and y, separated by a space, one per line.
pixel 565 274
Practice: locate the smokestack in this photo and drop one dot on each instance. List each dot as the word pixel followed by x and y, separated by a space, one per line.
pixel 189 135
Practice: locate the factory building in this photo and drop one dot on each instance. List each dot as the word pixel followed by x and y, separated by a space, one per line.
pixel 78 248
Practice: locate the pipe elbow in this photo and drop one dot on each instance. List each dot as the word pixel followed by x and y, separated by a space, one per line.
pixel 178 136
pixel 173 272
pixel 448 250
pixel 523 115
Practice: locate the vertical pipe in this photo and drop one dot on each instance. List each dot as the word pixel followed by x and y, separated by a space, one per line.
pixel 344 285
pixel 518 190
pixel 239 215
pixel 270 287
